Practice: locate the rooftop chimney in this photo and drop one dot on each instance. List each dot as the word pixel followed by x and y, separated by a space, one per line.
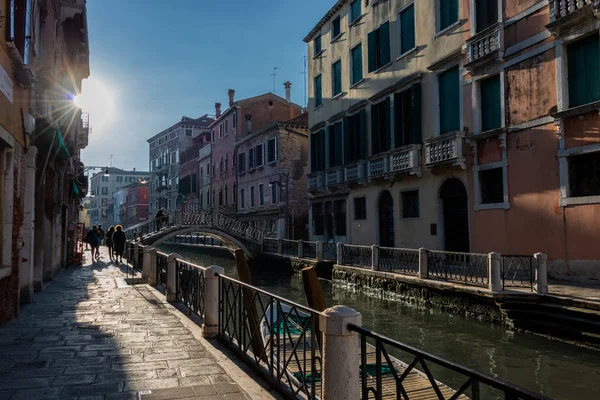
pixel 217 110
pixel 287 86
pixel 231 93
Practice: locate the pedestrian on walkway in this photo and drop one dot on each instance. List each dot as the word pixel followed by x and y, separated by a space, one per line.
pixel 93 238
pixel 158 217
pixel 118 238
pixel 101 233
pixel 109 242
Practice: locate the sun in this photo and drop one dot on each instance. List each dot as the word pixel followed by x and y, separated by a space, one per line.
pixel 98 99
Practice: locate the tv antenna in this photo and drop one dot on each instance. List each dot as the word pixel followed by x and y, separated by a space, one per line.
pixel 274 74
pixel 304 73
pixel 111 157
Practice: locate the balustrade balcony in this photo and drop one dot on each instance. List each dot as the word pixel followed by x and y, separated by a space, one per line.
pixel 446 149
pixel 406 159
pixel 335 176
pixel 316 180
pixel 565 14
pixel 378 166
pixel 485 47
pixel 355 172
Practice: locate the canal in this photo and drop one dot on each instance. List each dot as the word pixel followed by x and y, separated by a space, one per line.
pixel 555 369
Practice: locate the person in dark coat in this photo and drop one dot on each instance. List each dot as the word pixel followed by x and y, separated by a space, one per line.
pixel 118 239
pixel 93 238
pixel 109 241
pixel 159 216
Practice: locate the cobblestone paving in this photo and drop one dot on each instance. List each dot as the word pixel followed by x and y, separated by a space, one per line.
pixel 86 339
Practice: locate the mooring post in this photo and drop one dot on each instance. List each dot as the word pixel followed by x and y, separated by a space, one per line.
pixel 541 273
pixel 210 325
pixel 375 257
pixel 423 272
pixel 495 272
pixel 340 254
pixel 300 248
pixel 320 255
pixel 172 276
pixel 146 260
pixel 341 375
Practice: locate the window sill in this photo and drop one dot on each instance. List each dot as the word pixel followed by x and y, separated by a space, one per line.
pixel 337 96
pixel 356 20
pixel 573 201
pixel 250 170
pixel 579 110
pixel 410 218
pixel 406 53
pixel 446 29
pixel 319 54
pixel 272 162
pixel 377 2
pixel 378 70
pixel 260 166
pixel 5 272
pixel 355 85
pixel 335 39
pixel 319 106
pixel 492 206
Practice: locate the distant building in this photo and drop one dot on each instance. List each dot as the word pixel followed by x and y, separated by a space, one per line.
pixel 136 207
pixel 165 149
pixel 84 212
pixel 189 173
pixel 272 190
pixel 204 178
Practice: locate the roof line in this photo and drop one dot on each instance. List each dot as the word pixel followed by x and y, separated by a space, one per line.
pixel 336 7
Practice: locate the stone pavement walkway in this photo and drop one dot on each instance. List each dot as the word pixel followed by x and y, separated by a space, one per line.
pixel 584 291
pixel 87 338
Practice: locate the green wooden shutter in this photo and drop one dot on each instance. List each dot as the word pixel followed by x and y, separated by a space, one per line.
pixel 415 106
pixel 314 153
pixel 374 129
pixel 372 50
pixel 347 140
pixel 584 69
pixel 339 144
pixel 357 72
pixel 388 124
pixel 384 44
pixel 449 93
pixel 398 120
pixel 592 71
pixel 322 150
pixel 407 26
pixel 448 13
pixel 491 113
pixel 337 78
pixel 362 122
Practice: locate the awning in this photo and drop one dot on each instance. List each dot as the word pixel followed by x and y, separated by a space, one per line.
pixel 48 139
pixel 75 189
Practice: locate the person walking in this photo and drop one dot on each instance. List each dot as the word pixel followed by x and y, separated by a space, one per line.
pixel 101 233
pixel 118 239
pixel 93 238
pixel 109 242
pixel 158 217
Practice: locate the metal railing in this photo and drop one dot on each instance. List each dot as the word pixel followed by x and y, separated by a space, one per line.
pixel 518 271
pixel 275 335
pixel 161 270
pixel 404 261
pixel 474 384
pixel 329 251
pixel 309 250
pixel 289 247
pixel 471 268
pixel 353 255
pixel 270 245
pixel 189 286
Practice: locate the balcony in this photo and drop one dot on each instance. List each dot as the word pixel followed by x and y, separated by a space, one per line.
pixel 316 180
pixel 447 149
pixel 355 172
pixel 566 14
pixel 335 176
pixel 84 131
pixel 485 47
pixel 406 160
pixel 378 166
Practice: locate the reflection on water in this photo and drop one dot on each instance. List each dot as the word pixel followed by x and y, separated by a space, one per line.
pixel 555 369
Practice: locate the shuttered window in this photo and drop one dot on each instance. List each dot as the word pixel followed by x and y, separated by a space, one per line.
pixel 318 91
pixel 449 92
pixel 355 10
pixel 584 71
pixel 487 13
pixel 407 116
pixel 336 82
pixel 448 13
pixel 336 143
pixel 355 137
pixel 379 47
pixel 336 29
pixel 491 112
pixel 380 127
pixel 407 29
pixel 272 150
pixel 317 151
pixel 357 68
pixel 317 45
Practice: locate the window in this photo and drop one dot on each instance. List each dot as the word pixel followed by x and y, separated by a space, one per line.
pixel 406 19
pixel 274 193
pixel 360 208
pixel 318 92
pixel 356 145
pixel 188 132
pixel 104 202
pixel 242 199
pixel 19 32
pixel 104 213
pixel 448 13
pixel 272 150
pixel 380 127
pixel 317 45
pixel 335 28
pixel 407 116
pixel 221 197
pixel 226 126
pixel 104 178
pixel 449 92
pixel 251 159
pixel 584 175
pixel 355 10
pixel 105 190
pixel 356 66
pixel 226 194
pixel 212 136
pixel 242 162
pixel 119 179
pixel 336 144
pixel 487 14
pixel 221 164
pixel 583 59
pixel 318 219
pixel 251 196
pixel 226 161
pixel 260 155
pixel 491 183
pixel 221 130
pixel 317 151
pixel 491 112
pixel 336 78
pixel 261 195
pixel 339 207
pixel 379 47
pixel 410 204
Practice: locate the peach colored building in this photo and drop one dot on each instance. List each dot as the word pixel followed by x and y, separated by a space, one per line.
pixel 533 166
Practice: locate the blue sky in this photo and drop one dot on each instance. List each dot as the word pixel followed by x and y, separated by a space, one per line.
pixel 153 61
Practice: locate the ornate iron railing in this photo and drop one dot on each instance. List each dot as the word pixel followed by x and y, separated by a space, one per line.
pixel 469 268
pixel 161 270
pixel 277 336
pixel 270 245
pixel 473 384
pixel 404 261
pixel 357 256
pixel 289 247
pixel 190 286
pixel 309 250
pixel 518 271
pixel 329 251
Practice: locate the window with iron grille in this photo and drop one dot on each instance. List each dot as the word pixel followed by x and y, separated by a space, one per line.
pixel 410 204
pixel 584 175
pixel 491 183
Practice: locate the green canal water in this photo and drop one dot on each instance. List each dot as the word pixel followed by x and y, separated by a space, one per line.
pixel 555 369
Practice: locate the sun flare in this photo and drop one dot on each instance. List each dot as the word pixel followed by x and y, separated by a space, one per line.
pixel 97 99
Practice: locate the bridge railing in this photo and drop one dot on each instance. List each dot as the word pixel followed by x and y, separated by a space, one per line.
pixel 303 249
pixel 161 270
pixel 354 255
pixel 189 286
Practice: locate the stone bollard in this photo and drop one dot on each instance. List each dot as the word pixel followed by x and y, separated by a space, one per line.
pixel 320 253
pixel 375 257
pixel 341 371
pixel 541 273
pixel 210 325
pixel 152 266
pixel 300 249
pixel 279 246
pixel 340 254
pixel 495 272
pixel 423 271
pixel 134 259
pixel 172 277
pixel 146 261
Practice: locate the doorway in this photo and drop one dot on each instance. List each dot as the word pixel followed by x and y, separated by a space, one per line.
pixel 455 213
pixel 386 219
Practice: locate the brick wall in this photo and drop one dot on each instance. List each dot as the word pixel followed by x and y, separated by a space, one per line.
pixel 293 158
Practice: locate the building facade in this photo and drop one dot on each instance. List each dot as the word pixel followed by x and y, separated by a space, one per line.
pixel 272 165
pixel 165 149
pixel 204 177
pixel 189 173
pixel 386 125
pixel 240 119
pixel 137 204
pixel 103 191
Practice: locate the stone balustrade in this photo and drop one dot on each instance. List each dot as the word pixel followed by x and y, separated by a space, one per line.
pixel 447 148
pixel 316 180
pixel 486 42
pixel 562 8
